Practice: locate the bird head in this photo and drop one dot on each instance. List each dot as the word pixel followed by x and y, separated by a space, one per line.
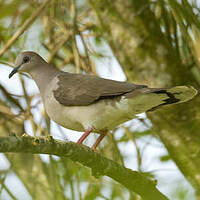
pixel 26 62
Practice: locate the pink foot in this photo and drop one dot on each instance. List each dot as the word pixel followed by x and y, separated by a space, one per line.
pixel 84 136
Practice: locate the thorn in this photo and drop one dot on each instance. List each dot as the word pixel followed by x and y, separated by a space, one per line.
pixel 25 135
pixel 12 134
pixel 155 182
pixel 50 138
pixel 95 173
pixel 36 140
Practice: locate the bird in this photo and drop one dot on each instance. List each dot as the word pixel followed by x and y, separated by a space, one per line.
pixel 88 103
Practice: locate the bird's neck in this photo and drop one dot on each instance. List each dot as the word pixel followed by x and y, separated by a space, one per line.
pixel 42 75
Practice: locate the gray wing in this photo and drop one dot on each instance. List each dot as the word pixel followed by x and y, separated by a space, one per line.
pixel 82 90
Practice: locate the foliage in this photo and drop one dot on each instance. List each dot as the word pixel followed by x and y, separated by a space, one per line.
pixel 156 42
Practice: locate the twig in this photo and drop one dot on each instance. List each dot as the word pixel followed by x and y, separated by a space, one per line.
pixel 26 24
pixel 86 52
pixel 74 44
pixel 58 47
pixel 139 157
pixel 7 190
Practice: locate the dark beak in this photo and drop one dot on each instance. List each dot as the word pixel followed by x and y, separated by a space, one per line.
pixel 15 70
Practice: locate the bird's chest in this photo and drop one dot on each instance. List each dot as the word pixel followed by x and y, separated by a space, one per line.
pixel 99 116
pixel 64 115
pixel 104 114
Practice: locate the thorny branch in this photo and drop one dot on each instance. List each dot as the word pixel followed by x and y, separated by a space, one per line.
pixel 100 165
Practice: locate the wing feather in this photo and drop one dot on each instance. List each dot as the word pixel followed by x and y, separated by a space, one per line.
pixel 82 90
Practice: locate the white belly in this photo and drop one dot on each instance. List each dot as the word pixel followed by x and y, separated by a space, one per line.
pixel 102 115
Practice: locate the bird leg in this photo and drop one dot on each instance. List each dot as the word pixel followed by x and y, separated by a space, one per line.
pixel 99 139
pixel 83 137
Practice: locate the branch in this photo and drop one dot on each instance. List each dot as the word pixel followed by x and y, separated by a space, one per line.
pixel 100 165
pixel 26 24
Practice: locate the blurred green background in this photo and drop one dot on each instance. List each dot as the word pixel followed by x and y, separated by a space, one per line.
pixel 152 42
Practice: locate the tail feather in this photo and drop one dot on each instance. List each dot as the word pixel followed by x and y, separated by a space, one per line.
pixel 175 95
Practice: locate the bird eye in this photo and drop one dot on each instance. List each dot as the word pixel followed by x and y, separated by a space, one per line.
pixel 26 59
